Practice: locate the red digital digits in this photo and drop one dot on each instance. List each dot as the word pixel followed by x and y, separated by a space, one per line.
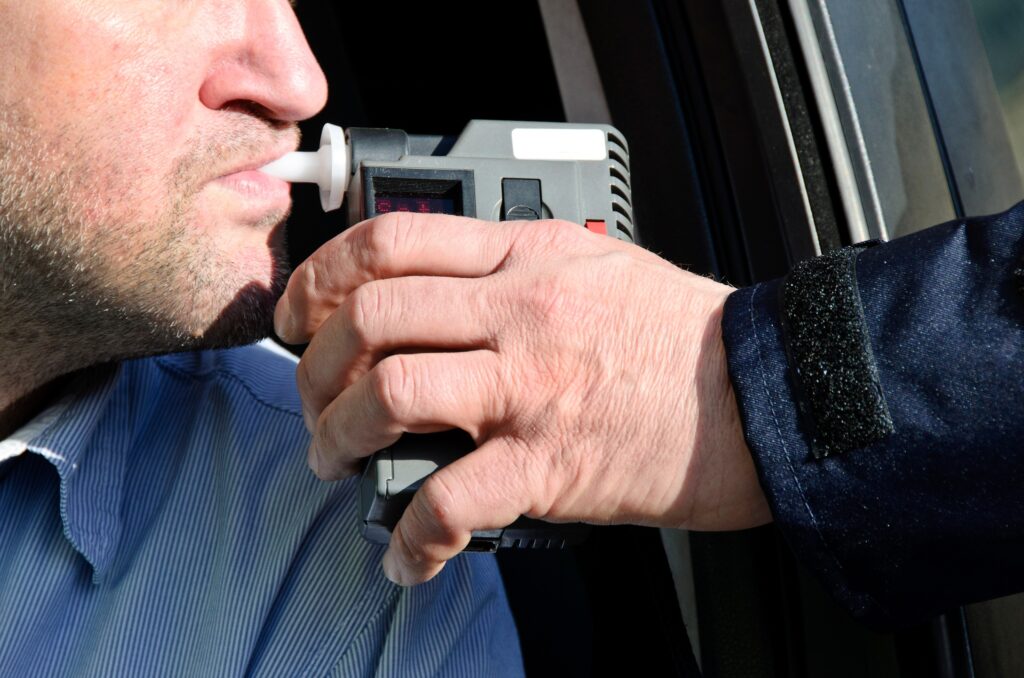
pixel 428 205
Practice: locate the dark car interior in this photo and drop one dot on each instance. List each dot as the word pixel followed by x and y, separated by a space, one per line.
pixel 762 132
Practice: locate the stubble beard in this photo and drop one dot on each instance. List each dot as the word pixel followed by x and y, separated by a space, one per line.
pixel 69 302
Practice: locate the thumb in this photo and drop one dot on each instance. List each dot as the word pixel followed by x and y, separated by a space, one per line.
pixel 484 490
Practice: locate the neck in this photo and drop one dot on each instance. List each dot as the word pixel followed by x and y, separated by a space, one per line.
pixel 31 374
pixel 18 412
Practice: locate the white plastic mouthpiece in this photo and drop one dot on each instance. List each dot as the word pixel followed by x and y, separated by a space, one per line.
pixel 328 168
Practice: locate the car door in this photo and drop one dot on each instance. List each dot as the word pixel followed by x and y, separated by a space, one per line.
pixel 806 125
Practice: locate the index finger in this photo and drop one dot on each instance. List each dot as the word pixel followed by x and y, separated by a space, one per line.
pixel 389 246
pixel 486 489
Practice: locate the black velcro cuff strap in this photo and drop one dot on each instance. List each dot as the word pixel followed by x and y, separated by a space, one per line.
pixel 839 394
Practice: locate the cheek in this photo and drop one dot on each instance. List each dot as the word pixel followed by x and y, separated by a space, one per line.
pixel 101 73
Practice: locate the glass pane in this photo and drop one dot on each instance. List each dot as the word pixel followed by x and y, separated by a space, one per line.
pixel 1001 23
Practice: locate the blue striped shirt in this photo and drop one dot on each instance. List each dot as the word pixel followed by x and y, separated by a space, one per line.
pixel 159 520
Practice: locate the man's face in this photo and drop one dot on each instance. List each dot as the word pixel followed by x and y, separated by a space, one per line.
pixel 127 129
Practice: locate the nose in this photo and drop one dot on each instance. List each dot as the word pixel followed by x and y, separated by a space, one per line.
pixel 267 61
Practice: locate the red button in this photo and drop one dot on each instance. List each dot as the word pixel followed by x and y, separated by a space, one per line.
pixel 597 226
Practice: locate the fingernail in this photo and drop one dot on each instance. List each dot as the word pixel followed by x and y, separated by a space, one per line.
pixel 284 322
pixel 309 420
pixel 390 568
pixel 313 458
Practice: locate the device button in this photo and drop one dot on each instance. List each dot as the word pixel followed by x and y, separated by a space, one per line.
pixel 597 226
pixel 521 200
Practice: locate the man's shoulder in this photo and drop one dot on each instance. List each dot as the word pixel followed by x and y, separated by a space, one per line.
pixel 304 589
pixel 260 375
pixel 242 403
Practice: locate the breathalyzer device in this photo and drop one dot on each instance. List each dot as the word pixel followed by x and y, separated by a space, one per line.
pixel 494 170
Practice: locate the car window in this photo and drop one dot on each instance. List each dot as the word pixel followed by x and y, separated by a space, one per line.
pixel 1001 24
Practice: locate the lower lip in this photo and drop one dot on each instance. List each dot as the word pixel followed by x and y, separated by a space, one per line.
pixel 257 187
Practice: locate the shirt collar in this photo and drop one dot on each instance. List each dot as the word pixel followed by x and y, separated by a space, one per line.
pixel 91 478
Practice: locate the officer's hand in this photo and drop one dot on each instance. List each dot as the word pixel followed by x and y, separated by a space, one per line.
pixel 590 372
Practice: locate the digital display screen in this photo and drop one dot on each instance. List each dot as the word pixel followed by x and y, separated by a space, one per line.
pixel 417 190
pixel 423 204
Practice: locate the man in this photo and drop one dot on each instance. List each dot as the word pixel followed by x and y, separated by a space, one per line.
pixel 157 517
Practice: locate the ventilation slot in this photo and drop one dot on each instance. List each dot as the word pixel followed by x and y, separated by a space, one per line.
pixel 617 158
pixel 622 194
pixel 612 139
pixel 618 175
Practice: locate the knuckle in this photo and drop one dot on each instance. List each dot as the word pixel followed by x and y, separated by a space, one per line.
pixel 395 386
pixel 533 237
pixel 315 277
pixel 383 237
pixel 617 260
pixel 438 506
pixel 364 307
pixel 561 228
pixel 326 437
pixel 561 235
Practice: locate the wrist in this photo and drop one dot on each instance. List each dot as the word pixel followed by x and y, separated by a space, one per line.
pixel 727 493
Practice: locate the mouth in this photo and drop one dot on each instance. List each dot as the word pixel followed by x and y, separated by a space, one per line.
pixel 255 185
pixel 258 190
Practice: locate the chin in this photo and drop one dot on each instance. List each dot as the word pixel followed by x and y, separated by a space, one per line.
pixel 255 249
pixel 248 318
pixel 251 278
pixel 245 317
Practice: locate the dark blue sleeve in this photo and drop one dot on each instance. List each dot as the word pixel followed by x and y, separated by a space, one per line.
pixel 932 515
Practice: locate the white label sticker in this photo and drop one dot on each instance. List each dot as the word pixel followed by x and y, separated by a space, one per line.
pixel 559 144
